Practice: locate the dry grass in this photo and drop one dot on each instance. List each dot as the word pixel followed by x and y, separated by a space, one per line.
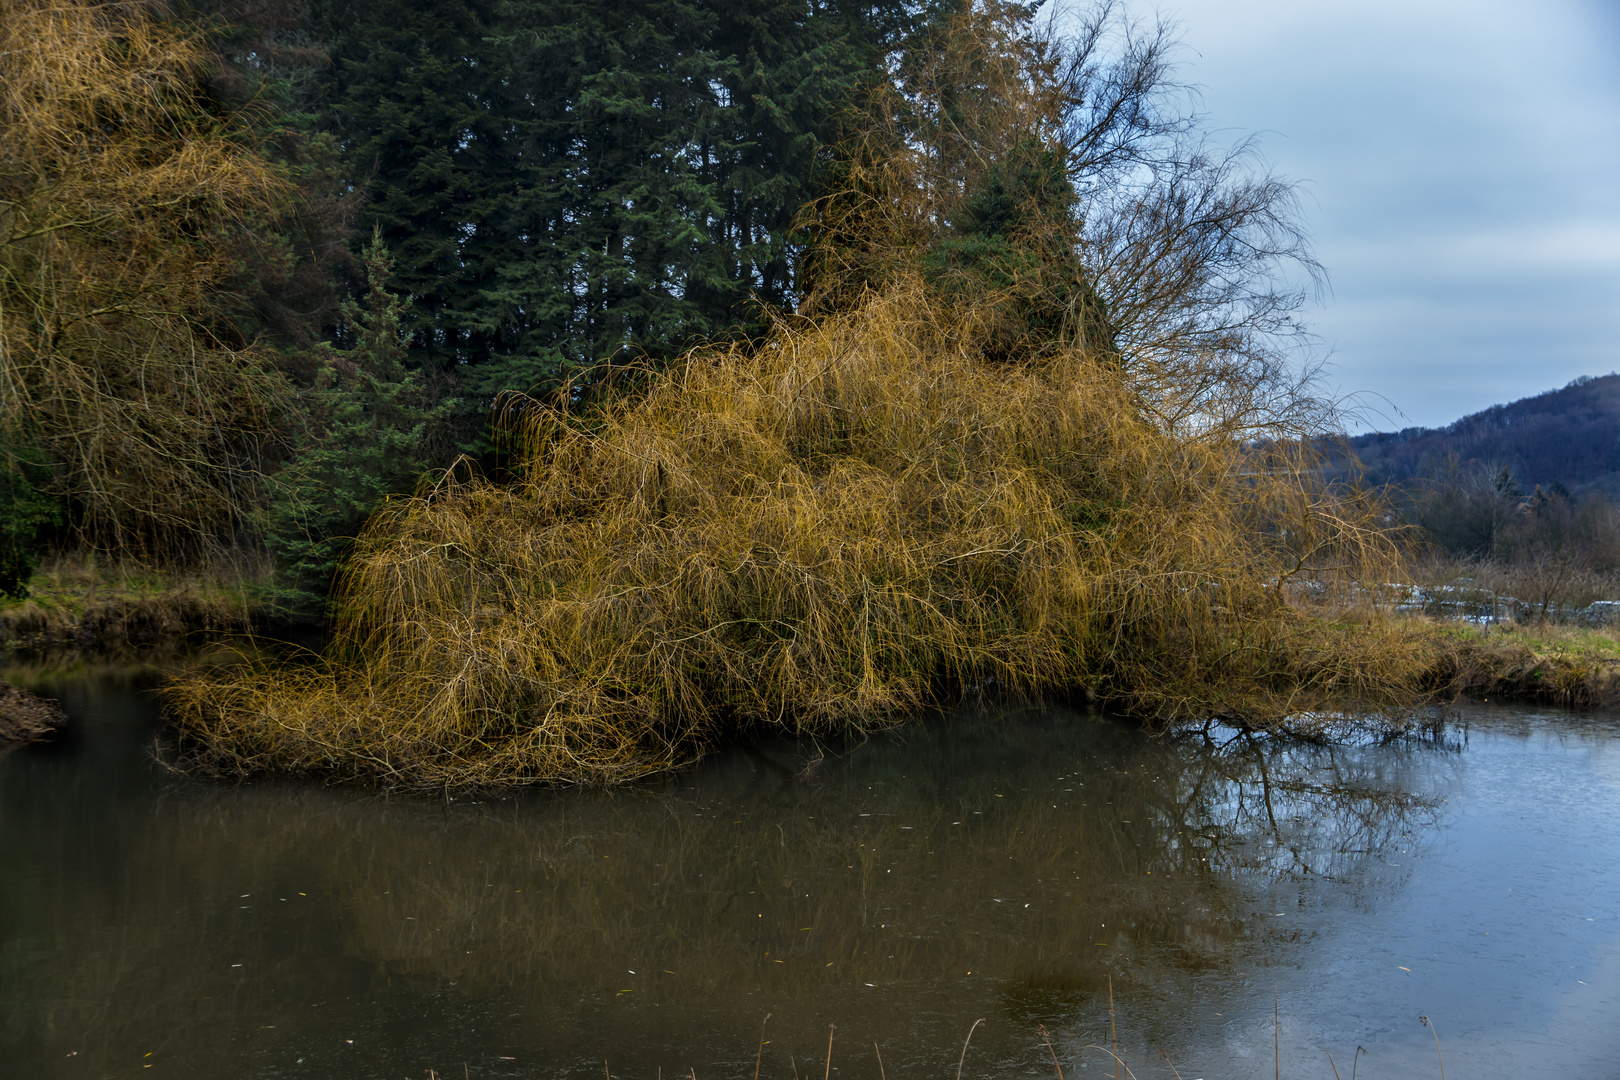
pixel 25 717
pixel 826 531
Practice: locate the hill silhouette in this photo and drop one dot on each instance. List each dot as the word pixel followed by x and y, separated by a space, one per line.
pixel 1568 437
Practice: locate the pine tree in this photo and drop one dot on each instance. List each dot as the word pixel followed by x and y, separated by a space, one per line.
pixel 368 420
pixel 570 184
pixel 26 511
pixel 421 101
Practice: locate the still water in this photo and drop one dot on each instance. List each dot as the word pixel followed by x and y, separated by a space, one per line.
pixel 1004 864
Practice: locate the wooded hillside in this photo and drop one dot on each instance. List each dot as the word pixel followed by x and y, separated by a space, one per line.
pixel 1569 437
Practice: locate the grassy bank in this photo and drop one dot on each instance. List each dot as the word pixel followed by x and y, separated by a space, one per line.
pixel 1558 665
pixel 83 602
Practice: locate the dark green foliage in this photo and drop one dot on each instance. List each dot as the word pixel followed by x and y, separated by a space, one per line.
pixel 368 421
pixel 25 513
pixel 422 105
pixel 291 273
pixel 567 184
pixel 1016 235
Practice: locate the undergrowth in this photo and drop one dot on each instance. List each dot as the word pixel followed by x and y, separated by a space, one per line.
pixel 822 531
pixel 1549 582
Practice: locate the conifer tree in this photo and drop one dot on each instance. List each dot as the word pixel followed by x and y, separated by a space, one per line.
pixel 568 184
pixel 420 100
pixel 26 510
pixel 368 418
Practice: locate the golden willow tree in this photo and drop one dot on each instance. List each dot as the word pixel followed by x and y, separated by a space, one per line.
pixel 124 194
pixel 1018 438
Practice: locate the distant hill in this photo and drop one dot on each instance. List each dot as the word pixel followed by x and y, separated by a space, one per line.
pixel 1569 437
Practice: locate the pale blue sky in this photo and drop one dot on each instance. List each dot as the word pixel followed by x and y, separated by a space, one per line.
pixel 1461 163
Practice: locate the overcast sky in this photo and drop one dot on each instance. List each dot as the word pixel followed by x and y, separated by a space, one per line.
pixel 1461 163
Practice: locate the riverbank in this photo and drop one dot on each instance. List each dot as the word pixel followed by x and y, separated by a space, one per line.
pixel 94 605
pixel 80 606
pixel 1573 666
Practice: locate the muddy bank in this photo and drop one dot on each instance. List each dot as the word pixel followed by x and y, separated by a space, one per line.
pixel 26 717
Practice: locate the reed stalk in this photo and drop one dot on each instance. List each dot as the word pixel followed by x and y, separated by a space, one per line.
pixel 963 1059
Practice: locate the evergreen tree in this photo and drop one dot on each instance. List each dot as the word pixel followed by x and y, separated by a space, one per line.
pixel 567 184
pixel 368 420
pixel 289 274
pixel 421 102
pixel 1014 236
pixel 26 512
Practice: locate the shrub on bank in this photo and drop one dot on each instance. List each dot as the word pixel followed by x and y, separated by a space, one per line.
pixel 824 531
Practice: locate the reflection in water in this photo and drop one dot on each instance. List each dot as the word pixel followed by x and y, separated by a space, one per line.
pixel 1001 864
pixel 1284 809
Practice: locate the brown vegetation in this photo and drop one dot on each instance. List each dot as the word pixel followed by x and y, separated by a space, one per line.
pixel 26 718
pixel 825 532
pixel 125 190
pixel 1019 443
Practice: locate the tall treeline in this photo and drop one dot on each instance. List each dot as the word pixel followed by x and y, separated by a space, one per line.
pixel 566 184
pixel 416 206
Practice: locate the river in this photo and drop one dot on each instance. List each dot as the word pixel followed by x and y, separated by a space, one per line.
pixel 1251 904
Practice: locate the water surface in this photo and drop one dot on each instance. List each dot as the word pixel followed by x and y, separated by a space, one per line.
pixel 1000 863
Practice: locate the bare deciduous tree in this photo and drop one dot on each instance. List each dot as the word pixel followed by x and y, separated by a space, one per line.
pixel 1191 257
pixel 123 190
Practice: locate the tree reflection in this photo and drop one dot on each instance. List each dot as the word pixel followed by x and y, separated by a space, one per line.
pixel 1277 807
pixel 1044 853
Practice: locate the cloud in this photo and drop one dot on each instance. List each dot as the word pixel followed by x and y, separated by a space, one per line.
pixel 1458 162
pixel 1552 248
